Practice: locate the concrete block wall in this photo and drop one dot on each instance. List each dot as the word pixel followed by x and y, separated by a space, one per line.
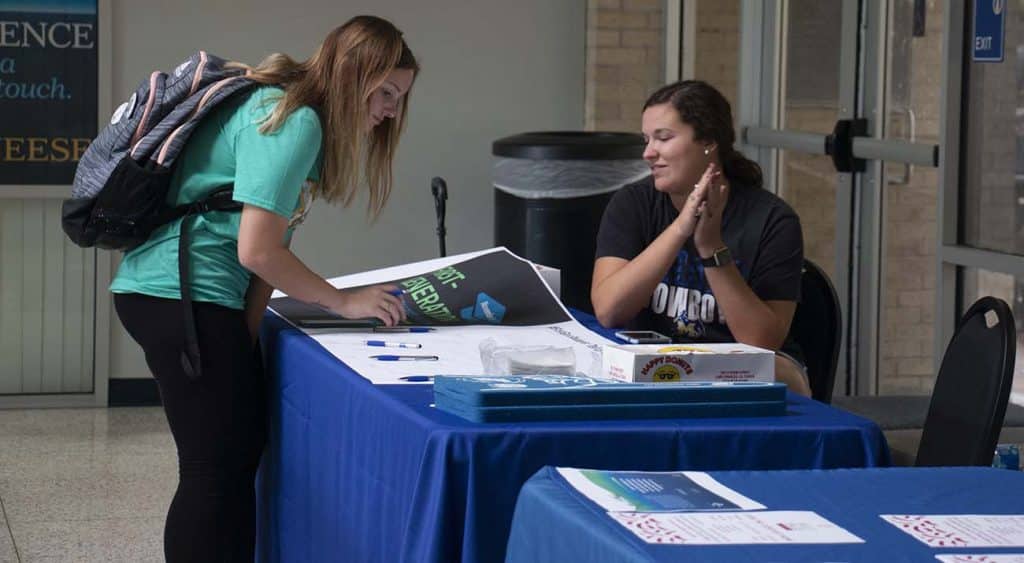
pixel 717 46
pixel 625 61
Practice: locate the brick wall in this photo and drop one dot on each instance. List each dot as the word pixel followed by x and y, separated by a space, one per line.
pixel 717 46
pixel 625 54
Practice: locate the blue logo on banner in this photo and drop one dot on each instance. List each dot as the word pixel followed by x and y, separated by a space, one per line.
pixel 989 27
pixel 487 310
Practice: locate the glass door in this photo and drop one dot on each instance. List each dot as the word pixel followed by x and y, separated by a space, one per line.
pixel 982 237
pixel 839 101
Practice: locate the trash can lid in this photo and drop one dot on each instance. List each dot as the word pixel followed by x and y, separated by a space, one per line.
pixel 571 145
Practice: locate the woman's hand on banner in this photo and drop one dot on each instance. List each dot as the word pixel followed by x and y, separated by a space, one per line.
pixel 376 301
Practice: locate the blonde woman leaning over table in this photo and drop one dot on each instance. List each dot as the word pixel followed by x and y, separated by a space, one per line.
pixel 309 130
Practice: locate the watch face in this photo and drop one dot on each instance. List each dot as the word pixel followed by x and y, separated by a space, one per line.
pixel 721 257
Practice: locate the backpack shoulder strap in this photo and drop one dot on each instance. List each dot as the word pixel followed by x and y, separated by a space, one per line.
pixel 178 101
pixel 218 200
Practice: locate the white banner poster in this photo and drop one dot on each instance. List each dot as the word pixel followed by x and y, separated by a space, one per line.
pixel 463 301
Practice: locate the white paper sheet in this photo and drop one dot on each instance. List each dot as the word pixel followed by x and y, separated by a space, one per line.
pixel 734 528
pixel 457 347
pixel 656 491
pixel 981 558
pixel 962 530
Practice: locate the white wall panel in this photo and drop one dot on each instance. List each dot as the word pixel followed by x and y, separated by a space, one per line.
pixel 47 302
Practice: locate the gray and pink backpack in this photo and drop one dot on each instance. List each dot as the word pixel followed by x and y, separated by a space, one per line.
pixel 119 195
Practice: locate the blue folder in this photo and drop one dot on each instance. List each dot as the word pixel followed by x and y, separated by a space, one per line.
pixel 560 397
pixel 611 411
pixel 523 390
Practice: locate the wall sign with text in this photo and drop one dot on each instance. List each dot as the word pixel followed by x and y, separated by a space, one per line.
pixel 989 37
pixel 48 88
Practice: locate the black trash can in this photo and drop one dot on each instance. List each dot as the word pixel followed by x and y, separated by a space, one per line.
pixel 550 191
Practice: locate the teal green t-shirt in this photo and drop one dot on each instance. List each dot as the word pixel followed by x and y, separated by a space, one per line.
pixel 268 171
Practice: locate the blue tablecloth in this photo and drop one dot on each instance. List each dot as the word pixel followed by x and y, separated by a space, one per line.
pixel 554 522
pixel 358 472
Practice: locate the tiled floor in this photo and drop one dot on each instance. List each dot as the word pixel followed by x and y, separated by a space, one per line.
pixel 84 484
pixel 88 485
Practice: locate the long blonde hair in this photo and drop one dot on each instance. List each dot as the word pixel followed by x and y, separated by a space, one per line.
pixel 351 62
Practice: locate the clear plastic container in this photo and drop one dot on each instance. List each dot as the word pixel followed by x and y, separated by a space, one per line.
pixel 526 360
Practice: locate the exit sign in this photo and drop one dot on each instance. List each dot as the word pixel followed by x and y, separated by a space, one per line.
pixel 989 25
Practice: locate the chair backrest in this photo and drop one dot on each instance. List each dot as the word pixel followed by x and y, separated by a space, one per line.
pixel 972 388
pixel 818 328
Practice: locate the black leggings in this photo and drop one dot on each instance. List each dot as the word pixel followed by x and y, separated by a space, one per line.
pixel 218 423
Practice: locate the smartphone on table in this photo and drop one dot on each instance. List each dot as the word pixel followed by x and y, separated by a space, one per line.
pixel 642 337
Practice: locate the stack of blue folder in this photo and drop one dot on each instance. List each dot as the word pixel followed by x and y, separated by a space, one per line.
pixel 519 398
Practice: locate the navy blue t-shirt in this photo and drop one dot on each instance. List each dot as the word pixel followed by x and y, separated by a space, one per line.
pixel 762 231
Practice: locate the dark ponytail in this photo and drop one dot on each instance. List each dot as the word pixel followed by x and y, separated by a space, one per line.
pixel 705 109
pixel 740 169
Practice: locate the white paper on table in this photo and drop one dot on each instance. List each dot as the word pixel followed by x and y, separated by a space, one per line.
pixel 725 528
pixel 457 347
pixel 962 530
pixel 628 496
pixel 981 557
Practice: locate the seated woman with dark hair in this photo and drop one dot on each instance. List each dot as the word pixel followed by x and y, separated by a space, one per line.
pixel 698 250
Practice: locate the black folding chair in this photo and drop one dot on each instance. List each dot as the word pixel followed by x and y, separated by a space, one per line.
pixel 817 327
pixel 960 423
pixel 972 388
